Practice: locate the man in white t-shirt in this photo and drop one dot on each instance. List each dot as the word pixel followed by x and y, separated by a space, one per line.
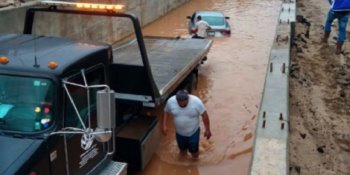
pixel 186 110
pixel 201 28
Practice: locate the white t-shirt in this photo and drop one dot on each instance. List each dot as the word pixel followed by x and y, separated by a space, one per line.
pixel 186 119
pixel 202 27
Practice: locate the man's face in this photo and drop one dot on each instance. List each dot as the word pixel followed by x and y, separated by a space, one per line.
pixel 182 103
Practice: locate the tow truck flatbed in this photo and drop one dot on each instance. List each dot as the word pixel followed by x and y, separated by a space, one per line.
pixel 170 59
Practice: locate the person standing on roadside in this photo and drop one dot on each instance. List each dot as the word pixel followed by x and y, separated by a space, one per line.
pixel 201 28
pixel 186 110
pixel 340 10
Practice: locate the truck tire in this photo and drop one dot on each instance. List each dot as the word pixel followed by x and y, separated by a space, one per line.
pixel 191 82
pixel 204 59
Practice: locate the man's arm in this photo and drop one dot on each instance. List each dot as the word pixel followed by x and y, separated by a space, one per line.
pixel 164 123
pixel 207 132
pixel 209 28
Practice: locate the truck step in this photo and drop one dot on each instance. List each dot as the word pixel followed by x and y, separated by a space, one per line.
pixel 114 168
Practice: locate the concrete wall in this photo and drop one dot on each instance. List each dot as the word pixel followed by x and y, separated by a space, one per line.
pixel 101 29
pixel 270 152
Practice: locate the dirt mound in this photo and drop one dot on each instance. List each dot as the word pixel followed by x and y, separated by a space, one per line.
pixel 319 97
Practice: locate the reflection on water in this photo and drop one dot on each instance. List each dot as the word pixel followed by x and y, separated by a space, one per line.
pixel 156 166
pixel 230 84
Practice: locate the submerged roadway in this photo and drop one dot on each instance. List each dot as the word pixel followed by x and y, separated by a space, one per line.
pixel 230 84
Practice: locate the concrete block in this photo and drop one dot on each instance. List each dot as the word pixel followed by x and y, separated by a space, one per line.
pixel 14 20
pixel 120 32
pixel 152 10
pixel 101 29
pixel 131 4
pixel 6 3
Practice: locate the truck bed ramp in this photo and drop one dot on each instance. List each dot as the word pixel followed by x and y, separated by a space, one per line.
pixel 171 60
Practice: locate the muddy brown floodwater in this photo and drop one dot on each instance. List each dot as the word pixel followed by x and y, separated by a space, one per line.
pixel 230 84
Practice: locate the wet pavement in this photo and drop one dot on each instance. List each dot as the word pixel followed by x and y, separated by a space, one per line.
pixel 230 84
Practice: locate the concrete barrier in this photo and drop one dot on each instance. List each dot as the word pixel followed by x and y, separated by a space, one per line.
pixel 86 27
pixel 270 152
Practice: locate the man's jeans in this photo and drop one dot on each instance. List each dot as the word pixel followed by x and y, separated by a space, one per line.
pixel 343 18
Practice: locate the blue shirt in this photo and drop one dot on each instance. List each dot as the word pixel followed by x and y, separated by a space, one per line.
pixel 340 5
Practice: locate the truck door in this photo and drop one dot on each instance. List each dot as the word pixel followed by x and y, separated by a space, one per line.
pixel 79 159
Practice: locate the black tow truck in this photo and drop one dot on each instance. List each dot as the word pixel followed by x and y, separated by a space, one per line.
pixel 78 107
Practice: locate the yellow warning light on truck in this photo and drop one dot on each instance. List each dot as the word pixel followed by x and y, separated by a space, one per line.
pixel 92 6
pixel 52 65
pixel 99 6
pixel 4 60
pixel 118 7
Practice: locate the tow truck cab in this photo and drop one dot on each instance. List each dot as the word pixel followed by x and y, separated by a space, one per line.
pixel 34 104
pixel 58 112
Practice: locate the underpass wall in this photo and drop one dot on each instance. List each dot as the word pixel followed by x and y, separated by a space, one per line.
pixel 94 28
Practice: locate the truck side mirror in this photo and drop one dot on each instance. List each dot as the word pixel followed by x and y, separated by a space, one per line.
pixel 105 114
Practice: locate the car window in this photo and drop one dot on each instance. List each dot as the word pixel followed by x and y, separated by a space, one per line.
pixel 214 20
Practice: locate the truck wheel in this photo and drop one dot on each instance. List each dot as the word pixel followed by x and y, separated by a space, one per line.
pixel 204 59
pixel 191 82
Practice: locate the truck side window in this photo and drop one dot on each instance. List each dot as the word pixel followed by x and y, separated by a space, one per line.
pixel 79 95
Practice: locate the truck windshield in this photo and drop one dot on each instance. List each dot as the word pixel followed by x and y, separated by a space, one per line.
pixel 26 103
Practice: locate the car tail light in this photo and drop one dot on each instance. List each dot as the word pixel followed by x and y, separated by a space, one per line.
pixel 193 31
pixel 33 173
pixel 225 32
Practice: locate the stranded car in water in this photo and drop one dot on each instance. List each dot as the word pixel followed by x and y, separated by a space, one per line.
pixel 217 21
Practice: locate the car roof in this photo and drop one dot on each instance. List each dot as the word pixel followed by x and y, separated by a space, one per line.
pixel 209 13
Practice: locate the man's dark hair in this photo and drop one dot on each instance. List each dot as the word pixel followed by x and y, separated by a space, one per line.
pixel 182 95
pixel 199 17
